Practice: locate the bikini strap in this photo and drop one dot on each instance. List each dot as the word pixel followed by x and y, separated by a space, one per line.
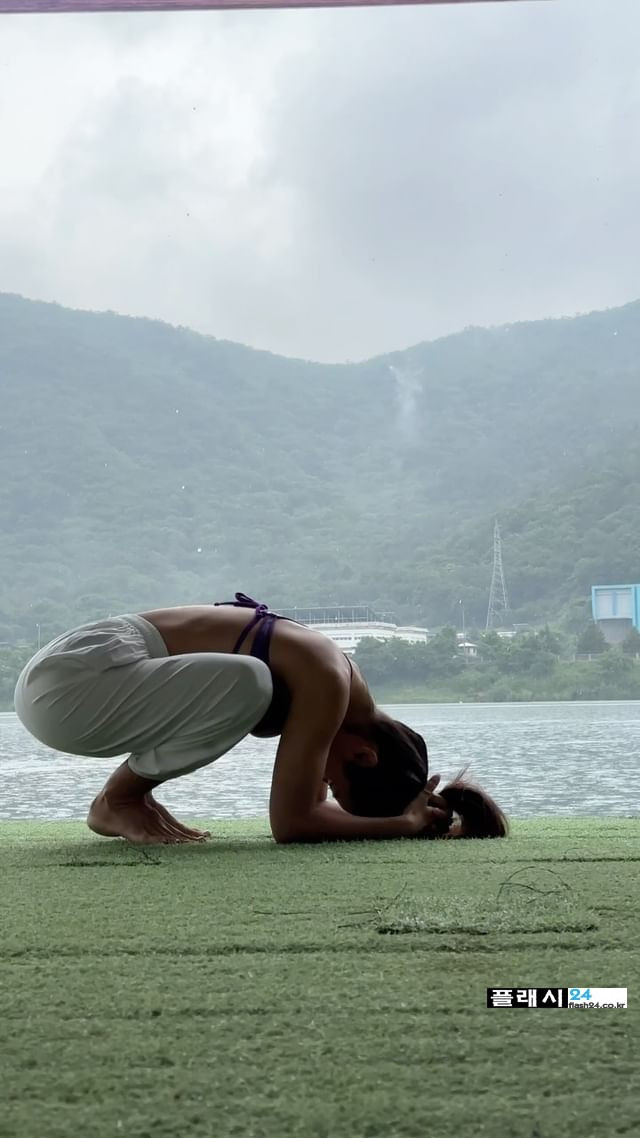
pixel 242 601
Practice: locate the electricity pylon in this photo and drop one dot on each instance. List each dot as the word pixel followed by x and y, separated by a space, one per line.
pixel 498 600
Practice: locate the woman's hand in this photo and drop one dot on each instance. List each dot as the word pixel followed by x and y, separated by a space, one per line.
pixel 428 814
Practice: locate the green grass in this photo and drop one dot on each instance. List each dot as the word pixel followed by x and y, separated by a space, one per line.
pixel 336 991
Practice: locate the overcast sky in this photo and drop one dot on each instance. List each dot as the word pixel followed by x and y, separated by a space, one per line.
pixel 328 184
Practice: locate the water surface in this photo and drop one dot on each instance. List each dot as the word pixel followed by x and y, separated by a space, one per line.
pixel 537 759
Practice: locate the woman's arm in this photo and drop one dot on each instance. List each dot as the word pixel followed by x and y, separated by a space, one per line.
pixel 330 822
pixel 319 703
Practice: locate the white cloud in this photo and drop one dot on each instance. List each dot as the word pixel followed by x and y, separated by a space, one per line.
pixel 330 184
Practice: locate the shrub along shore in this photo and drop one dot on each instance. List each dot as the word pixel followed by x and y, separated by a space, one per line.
pixel 541 665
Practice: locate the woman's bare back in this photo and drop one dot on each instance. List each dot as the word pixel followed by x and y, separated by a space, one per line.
pixel 216 628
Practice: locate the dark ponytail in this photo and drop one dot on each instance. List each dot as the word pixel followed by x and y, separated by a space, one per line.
pixel 480 816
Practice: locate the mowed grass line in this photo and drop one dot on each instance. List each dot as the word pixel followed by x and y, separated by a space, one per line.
pixel 336 991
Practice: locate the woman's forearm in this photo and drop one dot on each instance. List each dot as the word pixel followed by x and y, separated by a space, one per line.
pixel 329 822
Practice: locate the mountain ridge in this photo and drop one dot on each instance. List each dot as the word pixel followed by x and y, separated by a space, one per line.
pixel 161 465
pixel 380 356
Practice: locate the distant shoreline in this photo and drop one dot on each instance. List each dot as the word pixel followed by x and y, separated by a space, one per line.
pixel 382 697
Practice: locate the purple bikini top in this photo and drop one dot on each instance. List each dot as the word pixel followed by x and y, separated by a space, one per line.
pixel 263 618
pixel 274 720
pixel 275 717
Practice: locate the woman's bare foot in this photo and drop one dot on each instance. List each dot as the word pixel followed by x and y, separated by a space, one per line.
pixel 126 808
pixel 135 821
pixel 173 823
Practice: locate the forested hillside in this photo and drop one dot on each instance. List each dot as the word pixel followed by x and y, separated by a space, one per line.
pixel 555 545
pixel 143 465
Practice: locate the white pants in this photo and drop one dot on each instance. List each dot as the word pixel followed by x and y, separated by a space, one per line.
pixel 110 687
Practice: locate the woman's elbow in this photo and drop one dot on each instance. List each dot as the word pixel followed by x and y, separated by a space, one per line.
pixel 282 830
pixel 283 839
pixel 285 831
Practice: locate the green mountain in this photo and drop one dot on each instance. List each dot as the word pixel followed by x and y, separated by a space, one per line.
pixel 556 545
pixel 143 465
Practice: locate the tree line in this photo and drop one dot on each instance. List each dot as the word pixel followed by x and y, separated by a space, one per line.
pixel 541 664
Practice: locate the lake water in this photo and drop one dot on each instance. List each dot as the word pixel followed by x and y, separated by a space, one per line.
pixel 537 759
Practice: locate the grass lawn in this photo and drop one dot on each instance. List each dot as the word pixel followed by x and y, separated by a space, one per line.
pixel 336 991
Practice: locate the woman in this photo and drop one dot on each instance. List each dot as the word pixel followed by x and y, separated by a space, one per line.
pixel 178 687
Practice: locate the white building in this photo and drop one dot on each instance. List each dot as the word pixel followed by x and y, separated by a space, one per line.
pixel 616 609
pixel 347 635
pixel 466 648
pixel 347 625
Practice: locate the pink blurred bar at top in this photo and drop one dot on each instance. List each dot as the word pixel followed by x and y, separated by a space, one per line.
pixel 23 7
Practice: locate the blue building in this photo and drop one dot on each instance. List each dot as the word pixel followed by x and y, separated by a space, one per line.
pixel 616 609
